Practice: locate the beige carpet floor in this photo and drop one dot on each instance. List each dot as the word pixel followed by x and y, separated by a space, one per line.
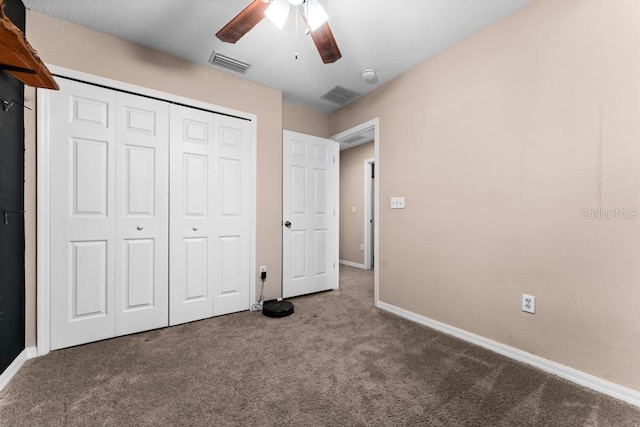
pixel 337 361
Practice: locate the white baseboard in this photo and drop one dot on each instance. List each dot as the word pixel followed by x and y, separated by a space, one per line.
pixel 582 378
pixel 32 352
pixel 12 370
pixel 353 264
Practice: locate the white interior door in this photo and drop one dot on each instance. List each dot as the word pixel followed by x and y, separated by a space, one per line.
pixel 192 215
pixel 142 223
pixel 232 193
pixel 83 213
pixel 309 232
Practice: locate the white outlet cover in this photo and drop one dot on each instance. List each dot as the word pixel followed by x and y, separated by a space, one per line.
pixel 397 203
pixel 528 303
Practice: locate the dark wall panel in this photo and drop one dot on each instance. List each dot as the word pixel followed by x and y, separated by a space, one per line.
pixel 12 299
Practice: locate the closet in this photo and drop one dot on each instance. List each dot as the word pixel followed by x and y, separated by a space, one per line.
pixel 150 213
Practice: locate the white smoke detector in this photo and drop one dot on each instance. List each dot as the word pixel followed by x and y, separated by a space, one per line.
pixel 369 75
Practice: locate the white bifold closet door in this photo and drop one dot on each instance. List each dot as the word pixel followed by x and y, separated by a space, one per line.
pixel 192 210
pixel 210 242
pixel 232 217
pixel 142 214
pixel 109 213
pixel 116 162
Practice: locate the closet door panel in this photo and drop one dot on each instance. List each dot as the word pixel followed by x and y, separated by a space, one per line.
pixel 142 236
pixel 192 208
pixel 83 198
pixel 232 193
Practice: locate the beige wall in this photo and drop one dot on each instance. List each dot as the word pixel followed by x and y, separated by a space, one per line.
pixel 68 45
pixel 352 196
pixel 30 215
pixel 498 144
pixel 303 120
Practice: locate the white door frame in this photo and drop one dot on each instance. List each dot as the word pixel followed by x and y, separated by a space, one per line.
pixel 43 171
pixel 368 211
pixel 375 124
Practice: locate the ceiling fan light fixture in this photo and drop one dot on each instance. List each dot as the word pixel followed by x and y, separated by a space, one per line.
pixel 315 14
pixel 295 2
pixel 278 12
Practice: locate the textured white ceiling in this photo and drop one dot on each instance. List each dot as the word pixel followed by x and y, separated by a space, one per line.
pixel 390 36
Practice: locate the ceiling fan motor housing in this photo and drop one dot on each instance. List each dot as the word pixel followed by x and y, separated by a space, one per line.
pixel 278 11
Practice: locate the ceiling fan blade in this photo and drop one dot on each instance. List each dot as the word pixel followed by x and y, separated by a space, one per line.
pixel 326 44
pixel 243 22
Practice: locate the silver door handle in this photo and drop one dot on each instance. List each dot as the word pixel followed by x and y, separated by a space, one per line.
pixel 195 228
pixel 140 227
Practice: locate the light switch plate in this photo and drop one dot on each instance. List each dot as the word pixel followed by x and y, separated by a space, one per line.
pixel 397 203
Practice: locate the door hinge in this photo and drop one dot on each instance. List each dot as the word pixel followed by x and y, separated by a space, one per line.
pixel 334 265
pixel 334 160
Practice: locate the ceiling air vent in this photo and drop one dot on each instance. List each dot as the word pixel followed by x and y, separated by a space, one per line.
pixel 223 61
pixel 341 96
pixel 352 139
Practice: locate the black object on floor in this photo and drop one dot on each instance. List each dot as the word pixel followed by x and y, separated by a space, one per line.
pixel 275 308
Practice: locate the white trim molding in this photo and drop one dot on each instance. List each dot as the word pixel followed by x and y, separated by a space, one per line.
pixel 32 352
pixel 582 378
pixel 43 216
pixel 354 264
pixel 367 211
pixel 14 368
pixel 336 218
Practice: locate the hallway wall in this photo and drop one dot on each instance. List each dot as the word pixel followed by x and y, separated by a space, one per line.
pixel 352 201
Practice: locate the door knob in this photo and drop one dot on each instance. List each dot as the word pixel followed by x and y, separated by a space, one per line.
pixel 195 228
pixel 140 227
pixel 287 224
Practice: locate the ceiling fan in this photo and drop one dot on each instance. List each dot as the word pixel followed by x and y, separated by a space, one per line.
pixel 278 11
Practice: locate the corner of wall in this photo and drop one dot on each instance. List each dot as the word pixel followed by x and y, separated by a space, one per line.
pixel 303 120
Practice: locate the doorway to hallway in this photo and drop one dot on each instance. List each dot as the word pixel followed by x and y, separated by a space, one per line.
pixel 362 134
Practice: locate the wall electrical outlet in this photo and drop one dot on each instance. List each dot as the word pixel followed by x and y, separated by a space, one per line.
pixel 361 247
pixel 529 303
pixel 263 269
pixel 397 203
